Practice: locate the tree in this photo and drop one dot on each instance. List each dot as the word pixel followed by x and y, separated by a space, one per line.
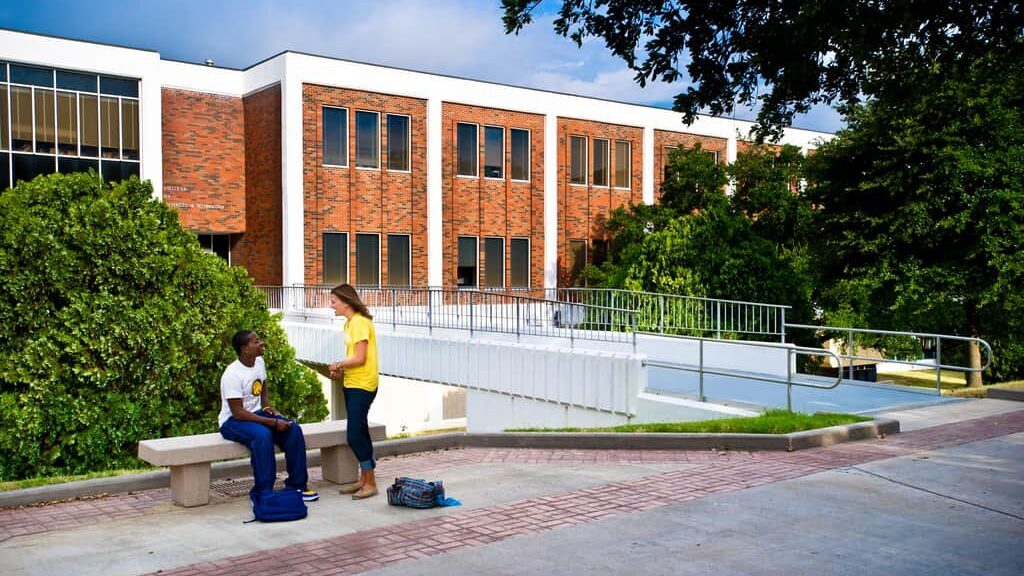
pixel 700 242
pixel 921 220
pixel 115 326
pixel 783 57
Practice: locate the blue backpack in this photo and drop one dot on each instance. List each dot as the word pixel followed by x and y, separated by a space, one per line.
pixel 278 506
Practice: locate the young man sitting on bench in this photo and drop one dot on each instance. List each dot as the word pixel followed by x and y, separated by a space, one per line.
pixel 247 418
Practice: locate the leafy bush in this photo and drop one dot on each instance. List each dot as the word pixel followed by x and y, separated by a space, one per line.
pixel 115 326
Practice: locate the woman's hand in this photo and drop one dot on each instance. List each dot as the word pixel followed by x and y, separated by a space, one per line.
pixel 336 370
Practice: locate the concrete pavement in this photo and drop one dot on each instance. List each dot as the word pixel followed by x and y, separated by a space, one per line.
pixel 945 497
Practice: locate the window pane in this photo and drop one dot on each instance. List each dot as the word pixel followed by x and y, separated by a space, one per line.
pixel 466 275
pixel 578 256
pixel 219 244
pixel 467 149
pixel 519 262
pixel 69 164
pixel 600 252
pixel 398 260
pixel 494 152
pixel 89 122
pixel 76 81
pixel 520 154
pixel 30 75
pixel 398 142
pixel 367 140
pixel 4 122
pixel 130 129
pixel 21 119
pixel 5 172
pixel 577 160
pixel 67 123
pixel 494 262
pixel 622 163
pixel 46 122
pixel 367 259
pixel 28 166
pixel 119 86
pixel 335 136
pixel 335 258
pixel 667 159
pixel 600 162
pixel 110 127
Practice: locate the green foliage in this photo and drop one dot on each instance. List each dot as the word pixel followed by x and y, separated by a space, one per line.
pixel 702 243
pixel 115 327
pixel 777 56
pixel 921 224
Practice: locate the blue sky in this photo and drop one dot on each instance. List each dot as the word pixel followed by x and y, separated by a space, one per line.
pixel 456 37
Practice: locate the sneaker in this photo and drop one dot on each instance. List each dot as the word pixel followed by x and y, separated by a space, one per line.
pixel 309 495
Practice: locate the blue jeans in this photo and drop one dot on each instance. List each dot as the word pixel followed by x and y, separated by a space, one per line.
pixel 260 441
pixel 357 405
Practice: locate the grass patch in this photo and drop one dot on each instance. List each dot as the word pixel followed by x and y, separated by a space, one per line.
pixel 770 422
pixel 951 379
pixel 47 480
pixel 983 391
pixel 430 432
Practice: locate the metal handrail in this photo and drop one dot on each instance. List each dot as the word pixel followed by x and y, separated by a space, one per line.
pixel 791 351
pixel 938 338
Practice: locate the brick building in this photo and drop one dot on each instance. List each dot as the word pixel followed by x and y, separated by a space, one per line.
pixel 314 170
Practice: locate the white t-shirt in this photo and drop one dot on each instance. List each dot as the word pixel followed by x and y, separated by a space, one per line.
pixel 241 381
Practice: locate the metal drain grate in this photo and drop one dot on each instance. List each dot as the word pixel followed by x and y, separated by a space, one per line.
pixel 239 486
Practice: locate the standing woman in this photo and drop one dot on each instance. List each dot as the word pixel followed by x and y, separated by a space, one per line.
pixel 361 375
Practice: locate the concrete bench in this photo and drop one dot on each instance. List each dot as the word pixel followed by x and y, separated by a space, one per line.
pixel 189 457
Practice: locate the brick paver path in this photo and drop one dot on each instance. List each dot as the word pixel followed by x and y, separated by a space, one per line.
pixel 713 472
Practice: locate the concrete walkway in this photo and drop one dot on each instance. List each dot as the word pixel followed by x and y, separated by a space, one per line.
pixel 946 496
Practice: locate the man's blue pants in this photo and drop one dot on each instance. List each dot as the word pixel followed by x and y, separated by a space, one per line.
pixel 260 441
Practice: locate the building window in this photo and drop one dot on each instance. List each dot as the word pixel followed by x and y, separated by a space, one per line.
pixel 466 273
pixel 399 266
pixel 600 162
pixel 398 143
pixel 367 139
pixel 335 136
pixel 335 258
pixel 468 151
pixel 55 120
pixel 368 259
pixel 494 262
pixel 519 262
pixel 623 164
pixel 494 152
pixel 600 248
pixel 577 160
pixel 667 159
pixel 219 244
pixel 520 154
pixel 578 259
pixel 713 154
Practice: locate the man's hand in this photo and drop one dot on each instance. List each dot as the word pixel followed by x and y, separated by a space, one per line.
pixel 281 425
pixel 270 410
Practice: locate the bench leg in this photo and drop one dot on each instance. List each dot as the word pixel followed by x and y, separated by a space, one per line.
pixel 339 464
pixel 190 484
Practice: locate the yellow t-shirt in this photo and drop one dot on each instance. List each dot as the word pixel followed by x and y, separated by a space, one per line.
pixel 364 377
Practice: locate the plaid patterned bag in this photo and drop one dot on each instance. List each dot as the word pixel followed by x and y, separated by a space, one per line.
pixel 415 493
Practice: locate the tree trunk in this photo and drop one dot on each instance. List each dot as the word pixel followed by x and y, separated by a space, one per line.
pixel 974 353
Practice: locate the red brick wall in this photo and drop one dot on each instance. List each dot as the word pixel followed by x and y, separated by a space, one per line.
pixel 663 138
pixel 583 209
pixel 204 160
pixel 487 207
pixel 259 249
pixel 356 200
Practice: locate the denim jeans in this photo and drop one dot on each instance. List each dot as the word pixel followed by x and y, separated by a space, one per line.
pixel 357 405
pixel 260 441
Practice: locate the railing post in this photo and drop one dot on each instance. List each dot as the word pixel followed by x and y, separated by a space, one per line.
pixel 700 369
pixel 849 353
pixel 789 380
pixel 938 366
pixel 430 311
pixel 517 319
pixel 611 314
pixel 471 314
pixel 718 319
pixel 394 309
pixel 782 329
pixel 661 312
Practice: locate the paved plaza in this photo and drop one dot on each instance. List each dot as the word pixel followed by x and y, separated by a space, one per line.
pixel 945 496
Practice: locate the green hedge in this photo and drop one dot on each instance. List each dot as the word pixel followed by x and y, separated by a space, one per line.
pixel 115 327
